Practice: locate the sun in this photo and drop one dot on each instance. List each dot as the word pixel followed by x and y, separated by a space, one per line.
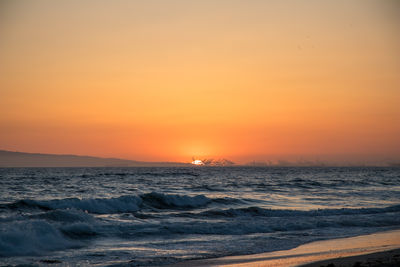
pixel 197 162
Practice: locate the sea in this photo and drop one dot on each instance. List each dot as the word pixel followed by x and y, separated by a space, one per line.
pixel 158 216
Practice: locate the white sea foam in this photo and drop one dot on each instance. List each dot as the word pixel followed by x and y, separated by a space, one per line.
pixel 118 204
pixel 93 205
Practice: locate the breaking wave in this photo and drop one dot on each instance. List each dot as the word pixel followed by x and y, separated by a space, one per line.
pixel 120 204
pixel 34 237
pixel 154 200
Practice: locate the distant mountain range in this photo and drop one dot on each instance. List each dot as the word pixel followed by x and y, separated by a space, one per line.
pixel 21 159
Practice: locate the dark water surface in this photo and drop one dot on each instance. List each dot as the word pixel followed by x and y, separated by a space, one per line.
pixel 155 216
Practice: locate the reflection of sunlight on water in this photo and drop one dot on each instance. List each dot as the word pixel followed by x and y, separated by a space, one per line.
pixel 136 246
pixel 274 200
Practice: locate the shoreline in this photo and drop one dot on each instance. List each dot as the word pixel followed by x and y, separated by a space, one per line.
pixel 376 247
pixel 387 258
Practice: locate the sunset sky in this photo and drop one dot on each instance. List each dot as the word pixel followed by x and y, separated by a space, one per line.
pixel 168 80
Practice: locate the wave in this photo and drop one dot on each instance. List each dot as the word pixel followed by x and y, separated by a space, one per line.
pixel 92 205
pixel 122 204
pixel 168 174
pixel 246 227
pixel 134 203
pixel 35 237
pixel 161 201
pixel 41 233
pixel 254 220
pixel 67 216
pixel 344 224
pixel 143 174
pixel 46 231
pixel 257 211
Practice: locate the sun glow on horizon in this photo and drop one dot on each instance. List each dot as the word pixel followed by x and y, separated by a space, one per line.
pixel 197 162
pixel 257 81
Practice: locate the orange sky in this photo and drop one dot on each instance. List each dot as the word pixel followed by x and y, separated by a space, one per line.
pixel 168 80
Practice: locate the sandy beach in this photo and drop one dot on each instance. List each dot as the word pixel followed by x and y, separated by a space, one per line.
pixel 389 258
pixel 379 249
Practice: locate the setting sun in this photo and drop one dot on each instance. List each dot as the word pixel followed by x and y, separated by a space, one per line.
pixel 197 162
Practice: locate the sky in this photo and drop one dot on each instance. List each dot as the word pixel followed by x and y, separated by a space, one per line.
pixel 168 80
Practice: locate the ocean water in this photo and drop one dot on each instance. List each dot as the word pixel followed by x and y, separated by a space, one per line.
pixel 158 216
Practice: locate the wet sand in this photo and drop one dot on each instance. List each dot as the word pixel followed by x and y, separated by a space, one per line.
pixel 379 259
pixel 379 248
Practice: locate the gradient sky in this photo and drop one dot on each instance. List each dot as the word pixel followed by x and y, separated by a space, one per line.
pixel 168 80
